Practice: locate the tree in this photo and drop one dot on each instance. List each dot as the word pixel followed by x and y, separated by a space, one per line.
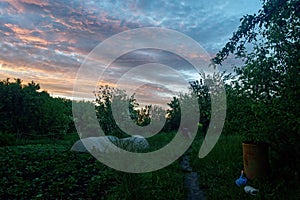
pixel 105 97
pixel 201 89
pixel 268 43
pixel 173 115
pixel 27 112
pixel 144 115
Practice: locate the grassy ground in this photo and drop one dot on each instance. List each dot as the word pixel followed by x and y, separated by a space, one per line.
pixel 219 170
pixel 43 171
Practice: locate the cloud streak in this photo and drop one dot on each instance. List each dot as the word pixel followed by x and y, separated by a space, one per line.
pixel 47 41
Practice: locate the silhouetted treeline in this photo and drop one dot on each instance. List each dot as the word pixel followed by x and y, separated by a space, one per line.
pixel 26 112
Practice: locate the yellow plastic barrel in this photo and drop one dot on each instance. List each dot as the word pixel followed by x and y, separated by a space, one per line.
pixel 256 160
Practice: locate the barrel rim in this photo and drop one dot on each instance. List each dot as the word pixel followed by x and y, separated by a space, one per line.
pixel 255 142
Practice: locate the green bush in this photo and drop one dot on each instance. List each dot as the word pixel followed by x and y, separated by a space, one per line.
pixel 7 139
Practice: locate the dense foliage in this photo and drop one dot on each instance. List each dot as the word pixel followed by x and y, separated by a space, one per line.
pixel 266 92
pixel 27 112
pixel 127 107
pixel 105 97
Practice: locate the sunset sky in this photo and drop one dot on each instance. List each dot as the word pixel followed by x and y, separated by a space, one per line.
pixel 47 41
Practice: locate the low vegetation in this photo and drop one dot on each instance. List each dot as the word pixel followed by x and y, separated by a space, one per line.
pixel 51 171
